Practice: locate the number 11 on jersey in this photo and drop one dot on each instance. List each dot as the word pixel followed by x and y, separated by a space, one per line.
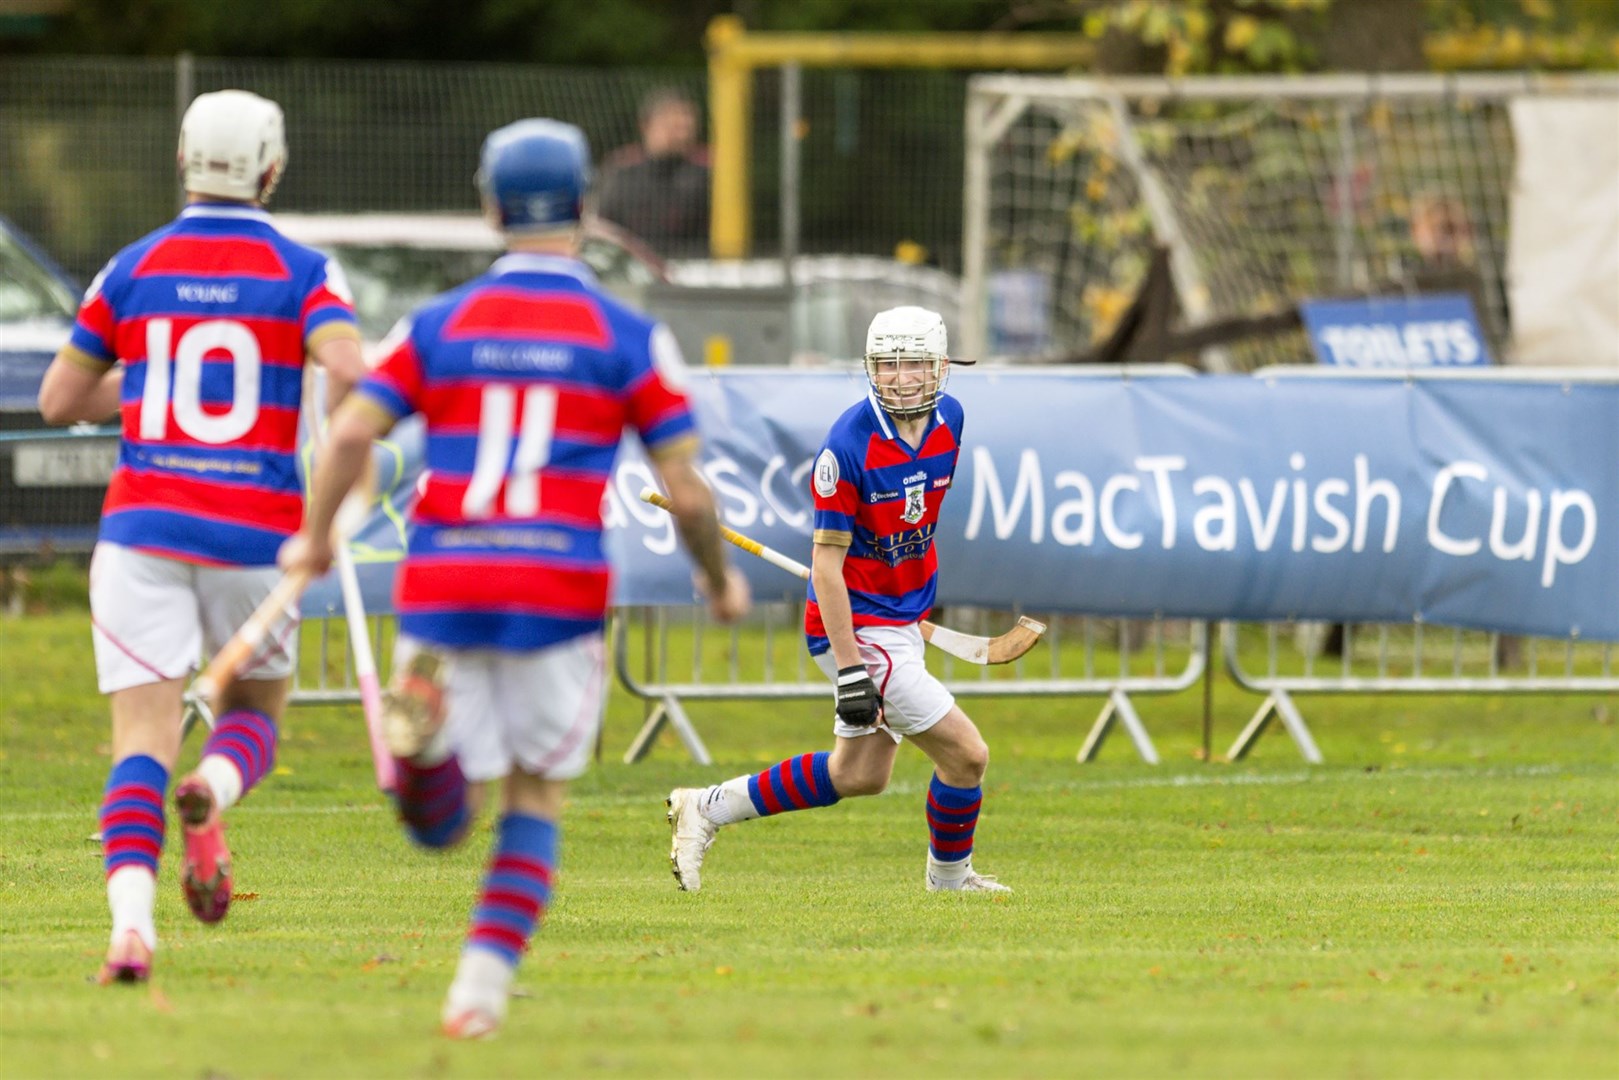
pixel 497 418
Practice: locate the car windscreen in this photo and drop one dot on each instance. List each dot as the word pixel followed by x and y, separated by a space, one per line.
pixel 28 291
pixel 390 282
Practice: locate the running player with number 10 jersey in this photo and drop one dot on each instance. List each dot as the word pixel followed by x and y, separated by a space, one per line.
pixel 527 377
pixel 196 336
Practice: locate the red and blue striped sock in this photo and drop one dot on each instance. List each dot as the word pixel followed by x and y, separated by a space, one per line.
pixel 952 816
pixel 796 784
pixel 247 739
pixel 132 814
pixel 517 888
pixel 432 801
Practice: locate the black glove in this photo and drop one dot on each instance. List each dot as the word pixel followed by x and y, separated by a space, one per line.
pixel 859 703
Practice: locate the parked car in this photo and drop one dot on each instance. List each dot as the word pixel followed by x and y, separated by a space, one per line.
pixel 395 261
pixel 50 485
pixel 740 311
pixel 37 305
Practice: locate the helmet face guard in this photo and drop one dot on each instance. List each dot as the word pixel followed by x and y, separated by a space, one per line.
pixel 907 360
pixel 907 385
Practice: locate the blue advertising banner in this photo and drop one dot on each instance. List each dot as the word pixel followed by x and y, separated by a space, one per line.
pixel 1471 502
pixel 1437 330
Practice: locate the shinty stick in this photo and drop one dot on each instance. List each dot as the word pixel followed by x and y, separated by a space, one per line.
pixel 1002 649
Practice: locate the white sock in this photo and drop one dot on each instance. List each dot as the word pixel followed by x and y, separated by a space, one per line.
pixel 131 893
pixel 948 871
pixel 224 779
pixel 483 980
pixel 729 802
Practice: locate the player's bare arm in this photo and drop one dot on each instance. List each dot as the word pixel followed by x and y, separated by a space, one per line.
pixel 77 388
pixel 344 364
pixel 698 523
pixel 826 571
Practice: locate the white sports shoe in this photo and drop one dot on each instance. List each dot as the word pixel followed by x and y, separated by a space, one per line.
pixel 971 881
pixel 692 834
pixel 474 1009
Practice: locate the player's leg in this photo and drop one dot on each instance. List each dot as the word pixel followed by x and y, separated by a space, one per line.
pixel 241 749
pixel 146 638
pixel 859 764
pixel 547 706
pixel 512 900
pixel 435 697
pixel 918 706
pixel 955 796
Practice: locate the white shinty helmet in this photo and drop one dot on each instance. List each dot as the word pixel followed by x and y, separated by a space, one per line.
pixel 233 145
pixel 907 333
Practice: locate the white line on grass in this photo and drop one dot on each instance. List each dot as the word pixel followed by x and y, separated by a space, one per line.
pixel 1184 780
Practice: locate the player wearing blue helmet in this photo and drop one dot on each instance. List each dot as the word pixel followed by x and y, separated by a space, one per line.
pixel 526 377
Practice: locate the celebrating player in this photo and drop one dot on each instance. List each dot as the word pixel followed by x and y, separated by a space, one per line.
pixel 527 377
pixel 197 336
pixel 879 482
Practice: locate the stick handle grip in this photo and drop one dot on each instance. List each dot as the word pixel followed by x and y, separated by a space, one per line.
pixel 746 543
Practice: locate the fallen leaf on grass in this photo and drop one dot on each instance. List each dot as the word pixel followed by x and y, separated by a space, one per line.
pixel 244 896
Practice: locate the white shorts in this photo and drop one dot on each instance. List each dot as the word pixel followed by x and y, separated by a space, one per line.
pixel 535 710
pixel 913 700
pixel 153 617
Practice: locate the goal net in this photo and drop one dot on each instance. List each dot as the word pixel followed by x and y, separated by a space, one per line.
pixel 1264 190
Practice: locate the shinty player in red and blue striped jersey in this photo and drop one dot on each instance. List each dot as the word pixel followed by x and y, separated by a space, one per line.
pixel 527 377
pixel 196 336
pixel 879 482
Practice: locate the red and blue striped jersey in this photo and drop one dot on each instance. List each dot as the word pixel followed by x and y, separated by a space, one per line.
pixel 212 317
pixel 877 495
pixel 527 377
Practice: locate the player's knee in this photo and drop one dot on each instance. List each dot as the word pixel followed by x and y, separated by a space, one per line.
pixel 871 783
pixel 853 783
pixel 975 759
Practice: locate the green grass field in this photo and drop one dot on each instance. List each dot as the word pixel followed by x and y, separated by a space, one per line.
pixel 1441 899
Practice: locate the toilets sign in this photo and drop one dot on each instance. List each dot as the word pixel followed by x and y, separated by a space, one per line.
pixel 1441 330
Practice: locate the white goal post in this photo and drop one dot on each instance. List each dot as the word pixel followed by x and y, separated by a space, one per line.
pixel 1265 190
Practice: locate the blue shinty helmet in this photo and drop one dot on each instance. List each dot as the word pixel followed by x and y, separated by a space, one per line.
pixel 535 173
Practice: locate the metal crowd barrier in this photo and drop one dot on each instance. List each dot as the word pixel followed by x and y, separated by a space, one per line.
pixel 1400 659
pixel 668 656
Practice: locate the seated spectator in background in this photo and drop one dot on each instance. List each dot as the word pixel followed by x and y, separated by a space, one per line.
pixel 658 188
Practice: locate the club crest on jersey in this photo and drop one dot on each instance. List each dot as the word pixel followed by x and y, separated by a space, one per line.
pixel 826 475
pixel 915 504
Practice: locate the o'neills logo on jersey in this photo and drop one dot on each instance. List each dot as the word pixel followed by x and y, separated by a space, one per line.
pixel 915 504
pixel 826 475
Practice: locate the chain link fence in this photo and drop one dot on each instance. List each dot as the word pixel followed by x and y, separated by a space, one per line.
pixel 87 145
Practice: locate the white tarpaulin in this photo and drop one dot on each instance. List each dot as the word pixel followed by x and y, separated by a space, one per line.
pixel 1563 258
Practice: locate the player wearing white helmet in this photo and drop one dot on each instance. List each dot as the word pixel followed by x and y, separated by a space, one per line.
pixel 878 484
pixel 197 335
